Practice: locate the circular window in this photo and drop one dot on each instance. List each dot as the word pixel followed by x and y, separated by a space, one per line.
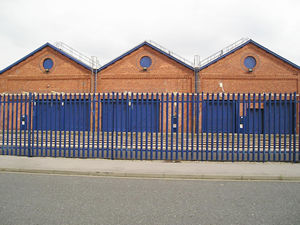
pixel 48 64
pixel 145 62
pixel 250 62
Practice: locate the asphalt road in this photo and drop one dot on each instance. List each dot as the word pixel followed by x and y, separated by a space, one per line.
pixel 54 199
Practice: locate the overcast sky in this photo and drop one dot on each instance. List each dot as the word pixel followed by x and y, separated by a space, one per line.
pixel 109 28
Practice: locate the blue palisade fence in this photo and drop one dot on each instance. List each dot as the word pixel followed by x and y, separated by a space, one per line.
pixel 164 126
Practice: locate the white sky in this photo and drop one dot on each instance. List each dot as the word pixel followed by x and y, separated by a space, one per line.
pixel 109 28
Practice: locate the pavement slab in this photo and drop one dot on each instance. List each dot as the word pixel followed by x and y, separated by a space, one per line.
pixel 153 169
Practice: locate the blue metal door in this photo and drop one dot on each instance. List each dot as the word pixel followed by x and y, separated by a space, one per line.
pixel 61 115
pixel 254 121
pixel 279 117
pixel 75 115
pixel 114 115
pixel 219 116
pixel 47 115
pixel 145 116
pixel 130 115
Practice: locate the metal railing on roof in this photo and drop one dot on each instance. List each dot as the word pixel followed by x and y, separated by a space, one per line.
pixel 91 62
pixel 223 51
pixel 171 53
pixel 94 63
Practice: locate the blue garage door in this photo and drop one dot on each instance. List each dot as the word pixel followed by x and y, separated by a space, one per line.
pixel 255 121
pixel 274 117
pixel 252 122
pixel 145 116
pixel 114 115
pixel 47 116
pixel 130 115
pixel 219 116
pixel 279 117
pixel 61 115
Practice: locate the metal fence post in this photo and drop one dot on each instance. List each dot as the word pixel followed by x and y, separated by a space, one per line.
pixel 295 122
pixel 29 125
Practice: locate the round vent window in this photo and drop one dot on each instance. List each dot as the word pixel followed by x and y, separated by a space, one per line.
pixel 48 64
pixel 250 62
pixel 145 62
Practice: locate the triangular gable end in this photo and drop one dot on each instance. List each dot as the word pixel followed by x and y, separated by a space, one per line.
pixel 257 45
pixel 151 46
pixel 41 48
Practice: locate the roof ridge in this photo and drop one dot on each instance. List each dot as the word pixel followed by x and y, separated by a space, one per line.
pixel 241 45
pixel 153 47
pixel 171 53
pixel 89 61
pixel 223 51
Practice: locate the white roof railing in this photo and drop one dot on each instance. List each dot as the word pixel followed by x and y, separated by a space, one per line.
pixel 223 51
pixel 171 53
pixel 90 61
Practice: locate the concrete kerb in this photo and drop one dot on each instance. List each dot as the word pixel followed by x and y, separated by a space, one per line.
pixel 152 169
pixel 154 176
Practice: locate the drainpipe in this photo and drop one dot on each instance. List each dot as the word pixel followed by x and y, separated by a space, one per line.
pixel 196 71
pixel 95 80
pixel 94 71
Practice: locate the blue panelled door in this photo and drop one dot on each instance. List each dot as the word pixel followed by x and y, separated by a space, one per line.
pixel 218 116
pixel 130 115
pixel 273 117
pixel 255 121
pixel 61 115
pixel 47 116
pixel 145 116
pixel 252 122
pixel 279 117
pixel 114 115
pixel 76 115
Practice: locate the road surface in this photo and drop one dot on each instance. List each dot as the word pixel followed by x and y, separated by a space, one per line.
pixel 56 199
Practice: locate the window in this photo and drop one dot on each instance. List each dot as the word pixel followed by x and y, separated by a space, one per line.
pixel 145 62
pixel 250 62
pixel 48 64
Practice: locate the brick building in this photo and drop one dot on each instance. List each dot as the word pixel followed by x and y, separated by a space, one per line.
pixel 146 68
pixel 246 67
pixel 252 68
pixel 46 69
pixel 148 102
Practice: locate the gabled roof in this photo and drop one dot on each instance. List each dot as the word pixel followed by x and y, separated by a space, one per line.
pixel 39 49
pixel 169 55
pixel 244 44
pixel 151 46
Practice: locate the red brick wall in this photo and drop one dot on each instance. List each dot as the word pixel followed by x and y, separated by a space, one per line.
pixel 270 74
pixel 29 75
pixel 164 75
